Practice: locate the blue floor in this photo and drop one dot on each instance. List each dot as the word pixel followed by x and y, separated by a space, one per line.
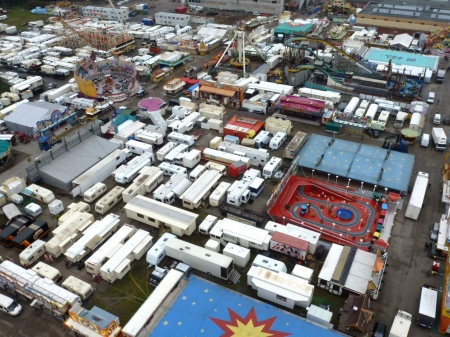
pixel 358 162
pixel 206 309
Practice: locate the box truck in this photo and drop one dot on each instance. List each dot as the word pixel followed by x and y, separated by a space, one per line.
pixel 439 139
pixel 401 325
pixel 417 196
pixel 426 313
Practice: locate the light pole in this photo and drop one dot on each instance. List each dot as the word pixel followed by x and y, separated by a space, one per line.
pixel 312 174
pixel 336 179
pixel 333 226
pixel 349 182
pixel 374 187
pixel 340 238
pixel 348 230
pixel 368 233
pixel 284 220
pixel 328 178
pixel 385 192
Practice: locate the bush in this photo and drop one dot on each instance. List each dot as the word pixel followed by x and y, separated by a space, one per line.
pixel 34 3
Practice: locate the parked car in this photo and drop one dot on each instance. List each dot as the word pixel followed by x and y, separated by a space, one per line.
pixel 51 85
pixel 133 13
pixel 256 13
pixel 434 232
pixel 141 93
pixel 212 13
pixel 446 120
pixel 25 23
pixel 379 330
pixel 9 306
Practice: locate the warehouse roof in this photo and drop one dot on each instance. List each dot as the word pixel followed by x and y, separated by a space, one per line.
pixel 426 12
pixel 29 114
pixel 80 158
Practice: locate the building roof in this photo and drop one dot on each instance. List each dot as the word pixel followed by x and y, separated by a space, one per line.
pixel 402 39
pixel 425 12
pixel 29 114
pixel 98 317
pixel 80 158
pixel 292 28
pixel 291 241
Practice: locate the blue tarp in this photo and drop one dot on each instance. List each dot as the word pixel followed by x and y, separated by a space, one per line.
pixel 191 89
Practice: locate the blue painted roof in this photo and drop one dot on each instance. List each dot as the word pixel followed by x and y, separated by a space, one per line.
pixel 205 309
pixel 358 161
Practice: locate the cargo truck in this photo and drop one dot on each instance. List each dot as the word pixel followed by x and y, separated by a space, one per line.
pixel 417 196
pixel 401 325
pixel 439 139
pixel 440 76
pixel 426 313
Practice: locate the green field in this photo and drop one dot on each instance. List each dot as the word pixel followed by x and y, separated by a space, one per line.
pixel 18 16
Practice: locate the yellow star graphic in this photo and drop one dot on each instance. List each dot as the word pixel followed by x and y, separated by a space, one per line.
pixel 206 291
pixel 248 330
pixel 179 323
pixel 166 322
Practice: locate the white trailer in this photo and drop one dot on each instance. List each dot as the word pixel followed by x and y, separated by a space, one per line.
pixel 149 137
pixel 207 224
pixel 171 169
pixel 155 116
pixel 277 140
pixel 352 106
pixel 200 258
pixel 99 172
pixel 99 258
pixel 145 182
pixel 138 147
pixel 32 253
pixel 417 196
pixel 401 325
pixel 40 193
pixel 128 132
pixel 126 173
pixel 241 234
pixel 239 192
pixel 157 253
pixel 223 157
pixel 186 124
pixel 120 263
pixel 172 155
pixel 272 167
pixel 94 192
pixel 79 206
pixel 372 111
pixel 78 287
pixel 93 236
pixel 109 200
pixel 426 313
pixel 180 138
pixel 330 96
pixel 162 152
pixel 200 189
pixel 192 158
pixel 258 157
pixel 175 187
pixel 139 325
pixel 218 196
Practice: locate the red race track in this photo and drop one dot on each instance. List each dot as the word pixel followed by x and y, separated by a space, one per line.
pixel 342 216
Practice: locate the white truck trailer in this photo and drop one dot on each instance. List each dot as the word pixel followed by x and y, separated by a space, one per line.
pixel 426 313
pixel 126 173
pixel 417 196
pixel 439 139
pixel 401 325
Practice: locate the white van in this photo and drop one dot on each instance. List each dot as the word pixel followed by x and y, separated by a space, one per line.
pixel 277 140
pixel 425 141
pixel 437 119
pixel 33 209
pixel 431 97
pixel 207 224
pixel 94 192
pixel 32 253
pixel 197 172
pixel 9 306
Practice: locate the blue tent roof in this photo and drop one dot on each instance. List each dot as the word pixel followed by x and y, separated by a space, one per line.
pixel 193 87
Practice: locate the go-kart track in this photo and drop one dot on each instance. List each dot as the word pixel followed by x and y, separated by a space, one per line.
pixel 341 215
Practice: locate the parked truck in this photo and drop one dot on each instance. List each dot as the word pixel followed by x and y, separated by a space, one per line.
pixel 401 325
pixel 439 139
pixel 417 196
pixel 440 76
pixel 426 313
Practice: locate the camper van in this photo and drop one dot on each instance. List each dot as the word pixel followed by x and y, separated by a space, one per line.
pixel 49 272
pixel 219 195
pixel 197 172
pixel 272 167
pixel 33 209
pixel 42 194
pixel 94 192
pixel 109 200
pixel 170 169
pixel 277 140
pixel 32 253
pixel 162 152
pixel 157 253
pixel 138 147
pixel 78 287
pixel 217 167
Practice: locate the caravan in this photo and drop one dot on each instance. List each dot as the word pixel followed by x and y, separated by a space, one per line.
pixel 162 152
pixel 32 253
pixel 272 167
pixel 277 140
pixel 109 200
pixel 42 194
pixel 172 155
pixel 197 172
pixel 218 196
pixel 94 192
pixel 138 147
pixel 170 169
pixel 157 253
pixel 128 172
pixel 181 138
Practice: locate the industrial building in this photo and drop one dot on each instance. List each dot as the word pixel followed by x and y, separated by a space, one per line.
pixel 106 13
pixel 265 6
pixel 396 19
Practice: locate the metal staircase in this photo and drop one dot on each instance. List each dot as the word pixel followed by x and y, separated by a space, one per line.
pixel 234 277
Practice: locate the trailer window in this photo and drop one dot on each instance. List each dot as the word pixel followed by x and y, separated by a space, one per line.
pixel 139 215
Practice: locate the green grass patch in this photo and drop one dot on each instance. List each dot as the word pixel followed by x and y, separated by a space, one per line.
pixel 18 16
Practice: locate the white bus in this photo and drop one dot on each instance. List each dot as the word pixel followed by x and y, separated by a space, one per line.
pixel 66 234
pixel 108 201
pixel 170 169
pixel 258 157
pixel 157 253
pixel 145 182
pixel 94 192
pixel 120 263
pixel 197 172
pixel 94 235
pixel 138 324
pixel 218 196
pixel 149 137
pixel 200 189
pixel 175 187
pixel 181 138
pixel 98 259
pixel 126 173
pixel 272 167
pixel 138 147
pixel 162 152
pixel 171 156
pixel 39 193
